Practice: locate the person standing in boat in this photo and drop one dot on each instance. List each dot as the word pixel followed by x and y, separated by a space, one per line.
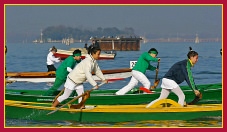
pixel 51 59
pixel 81 73
pixel 63 70
pixel 138 71
pixel 179 72
pixel 94 44
pixel 85 46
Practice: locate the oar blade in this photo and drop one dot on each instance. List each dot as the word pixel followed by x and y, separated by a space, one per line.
pixel 196 99
pixel 156 82
pixel 52 112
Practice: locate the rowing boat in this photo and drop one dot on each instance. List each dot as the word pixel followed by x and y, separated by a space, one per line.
pixel 212 93
pixel 36 77
pixel 63 54
pixel 162 110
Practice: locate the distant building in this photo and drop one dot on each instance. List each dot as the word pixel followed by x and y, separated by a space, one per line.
pixel 119 43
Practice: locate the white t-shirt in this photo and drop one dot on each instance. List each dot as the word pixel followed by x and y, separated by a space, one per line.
pixel 51 59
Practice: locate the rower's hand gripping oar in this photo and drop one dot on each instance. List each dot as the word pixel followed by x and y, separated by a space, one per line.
pixel 76 98
pixel 198 97
pixel 84 99
pixel 156 82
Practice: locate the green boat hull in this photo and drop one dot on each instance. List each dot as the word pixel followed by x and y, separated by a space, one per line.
pixel 212 93
pixel 28 114
pixel 110 113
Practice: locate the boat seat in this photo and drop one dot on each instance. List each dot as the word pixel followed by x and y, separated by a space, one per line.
pixel 165 103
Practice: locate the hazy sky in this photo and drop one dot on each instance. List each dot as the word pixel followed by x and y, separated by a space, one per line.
pixel 27 21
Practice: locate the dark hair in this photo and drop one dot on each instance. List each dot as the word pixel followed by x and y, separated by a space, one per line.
pixel 76 52
pixel 53 49
pixel 191 53
pixel 153 49
pixel 93 50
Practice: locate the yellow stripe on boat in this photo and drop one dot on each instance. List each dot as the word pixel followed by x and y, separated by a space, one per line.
pixel 121 108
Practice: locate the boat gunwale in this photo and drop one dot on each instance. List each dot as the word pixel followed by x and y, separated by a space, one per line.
pixel 99 93
pixel 120 108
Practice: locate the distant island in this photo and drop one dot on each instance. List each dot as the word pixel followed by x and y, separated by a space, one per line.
pixel 68 35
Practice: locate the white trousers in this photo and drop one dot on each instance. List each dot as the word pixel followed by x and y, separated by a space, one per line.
pixel 136 77
pixel 172 87
pixel 69 87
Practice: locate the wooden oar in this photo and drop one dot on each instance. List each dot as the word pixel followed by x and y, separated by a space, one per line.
pixel 75 98
pixel 58 95
pixel 156 82
pixel 78 106
pixel 81 101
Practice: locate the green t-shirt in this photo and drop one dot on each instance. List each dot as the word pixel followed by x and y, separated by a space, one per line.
pixel 61 71
pixel 143 63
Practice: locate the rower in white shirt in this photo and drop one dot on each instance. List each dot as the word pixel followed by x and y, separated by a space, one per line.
pixel 51 59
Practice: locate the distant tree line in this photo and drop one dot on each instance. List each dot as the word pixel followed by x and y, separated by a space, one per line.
pixel 61 32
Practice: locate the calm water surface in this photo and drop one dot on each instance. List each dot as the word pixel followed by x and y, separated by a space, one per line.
pixel 23 57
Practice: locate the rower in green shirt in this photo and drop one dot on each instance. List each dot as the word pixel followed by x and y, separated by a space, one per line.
pixel 139 70
pixel 63 70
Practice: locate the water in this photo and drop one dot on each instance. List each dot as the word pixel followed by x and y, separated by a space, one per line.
pixel 32 57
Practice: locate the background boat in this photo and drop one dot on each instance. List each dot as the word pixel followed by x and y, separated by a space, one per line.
pixel 63 54
pixel 37 77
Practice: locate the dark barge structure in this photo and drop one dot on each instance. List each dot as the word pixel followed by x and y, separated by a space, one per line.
pixel 119 44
